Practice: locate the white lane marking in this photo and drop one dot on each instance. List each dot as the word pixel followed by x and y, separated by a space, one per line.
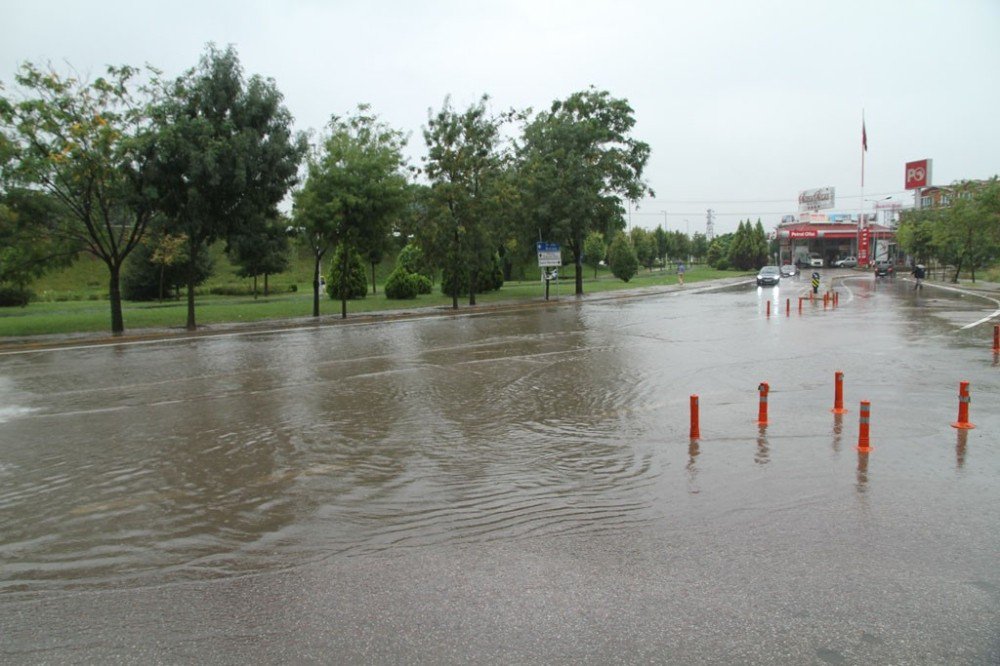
pixel 993 315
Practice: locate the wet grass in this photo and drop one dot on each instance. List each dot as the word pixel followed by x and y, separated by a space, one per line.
pixel 88 310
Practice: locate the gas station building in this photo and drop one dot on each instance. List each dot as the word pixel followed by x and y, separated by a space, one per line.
pixel 834 236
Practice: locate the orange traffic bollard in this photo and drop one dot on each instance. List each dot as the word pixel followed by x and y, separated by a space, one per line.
pixel 826 300
pixel 836 298
pixel 695 430
pixel 996 339
pixel 762 409
pixel 788 307
pixel 800 304
pixel 838 393
pixel 769 308
pixel 963 407
pixel 864 422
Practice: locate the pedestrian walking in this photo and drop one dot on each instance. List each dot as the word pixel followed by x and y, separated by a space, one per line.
pixel 918 275
pixel 680 272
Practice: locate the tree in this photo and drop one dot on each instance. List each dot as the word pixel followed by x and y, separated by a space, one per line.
pixel 662 240
pixel 464 165
pixel 621 256
pixel 260 250
pixel 579 161
pixel 699 246
pixel 680 245
pixel 226 154
pixel 644 246
pixel 356 186
pixel 88 146
pixel 594 250
pixel 26 254
pixel 161 263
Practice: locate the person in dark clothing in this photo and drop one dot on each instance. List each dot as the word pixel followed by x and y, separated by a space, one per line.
pixel 919 274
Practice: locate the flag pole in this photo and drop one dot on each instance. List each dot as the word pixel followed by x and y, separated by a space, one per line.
pixel 861 215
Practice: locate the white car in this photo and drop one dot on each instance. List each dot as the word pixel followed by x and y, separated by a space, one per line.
pixel 815 260
pixel 846 262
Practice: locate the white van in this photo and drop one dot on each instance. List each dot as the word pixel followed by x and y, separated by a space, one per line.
pixel 815 260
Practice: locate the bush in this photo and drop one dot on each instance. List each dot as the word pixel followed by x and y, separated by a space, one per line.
pixel 411 258
pixel 357 280
pixel 490 279
pixel 621 254
pixel 15 297
pixel 402 285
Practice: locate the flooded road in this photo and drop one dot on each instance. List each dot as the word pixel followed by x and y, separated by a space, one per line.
pixel 514 488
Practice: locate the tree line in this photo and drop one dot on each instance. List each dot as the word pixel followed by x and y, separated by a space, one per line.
pixel 964 234
pixel 135 162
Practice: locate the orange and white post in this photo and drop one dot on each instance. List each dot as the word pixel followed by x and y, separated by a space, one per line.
pixel 764 389
pixel 963 407
pixel 864 423
pixel 838 393
pixel 695 426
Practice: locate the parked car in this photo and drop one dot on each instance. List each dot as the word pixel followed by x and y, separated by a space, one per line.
pixel 815 260
pixel 768 275
pixel 846 262
pixel 884 269
pixel 789 270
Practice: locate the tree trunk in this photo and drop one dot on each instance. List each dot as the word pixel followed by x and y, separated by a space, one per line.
pixel 163 270
pixel 115 296
pixel 473 278
pixel 255 287
pixel 266 291
pixel 319 259
pixel 374 289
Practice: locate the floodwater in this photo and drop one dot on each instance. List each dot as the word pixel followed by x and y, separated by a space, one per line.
pixel 515 488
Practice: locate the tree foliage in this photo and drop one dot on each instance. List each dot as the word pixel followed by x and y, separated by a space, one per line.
pixel 579 161
pixel 88 146
pixel 260 250
pixel 621 256
pixel 355 188
pixel 965 234
pixel 347 275
pixel 226 154
pixel 594 250
pixel 465 166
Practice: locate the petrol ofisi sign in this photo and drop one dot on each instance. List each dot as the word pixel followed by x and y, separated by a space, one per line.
pixel 918 174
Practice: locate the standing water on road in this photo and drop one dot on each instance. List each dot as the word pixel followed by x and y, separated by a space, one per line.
pixel 547 431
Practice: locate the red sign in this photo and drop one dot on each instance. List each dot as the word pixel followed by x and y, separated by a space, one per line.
pixel 918 174
pixel 863 247
pixel 808 233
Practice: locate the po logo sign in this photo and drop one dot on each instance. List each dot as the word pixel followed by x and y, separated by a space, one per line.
pixel 918 174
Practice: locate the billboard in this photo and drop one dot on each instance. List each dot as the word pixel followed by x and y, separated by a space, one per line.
pixel 918 174
pixel 819 198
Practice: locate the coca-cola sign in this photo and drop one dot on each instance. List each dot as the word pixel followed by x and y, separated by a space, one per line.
pixel 822 197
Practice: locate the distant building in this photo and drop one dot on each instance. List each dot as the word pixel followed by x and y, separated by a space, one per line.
pixel 833 236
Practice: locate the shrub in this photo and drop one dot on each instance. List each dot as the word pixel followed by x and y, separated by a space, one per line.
pixel 357 280
pixel 621 254
pixel 15 297
pixel 412 259
pixel 401 284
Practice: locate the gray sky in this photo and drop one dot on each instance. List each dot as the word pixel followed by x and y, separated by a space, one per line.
pixel 744 103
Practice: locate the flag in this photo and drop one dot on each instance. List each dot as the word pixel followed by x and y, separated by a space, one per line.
pixel 864 137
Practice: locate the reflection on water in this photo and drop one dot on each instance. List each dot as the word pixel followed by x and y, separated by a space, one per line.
pixel 214 457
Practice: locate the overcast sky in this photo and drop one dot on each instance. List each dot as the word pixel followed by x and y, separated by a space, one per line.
pixel 744 102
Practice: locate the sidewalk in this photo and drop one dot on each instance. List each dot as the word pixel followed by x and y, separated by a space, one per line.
pixel 138 335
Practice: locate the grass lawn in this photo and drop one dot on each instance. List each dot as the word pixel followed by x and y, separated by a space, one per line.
pixel 74 301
